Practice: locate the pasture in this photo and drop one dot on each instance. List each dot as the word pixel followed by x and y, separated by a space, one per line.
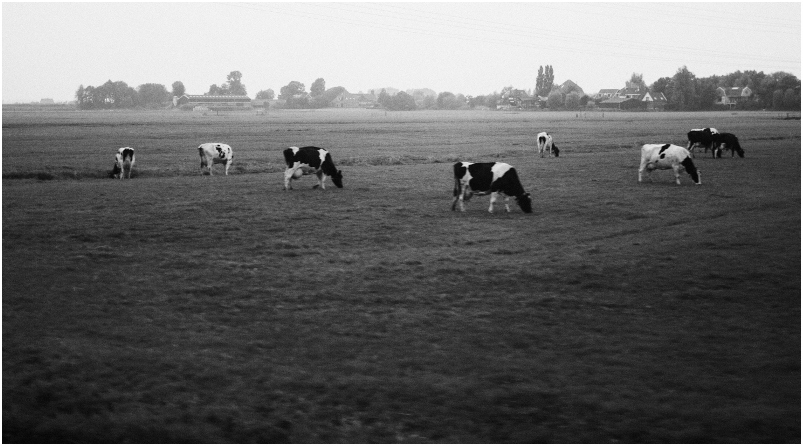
pixel 175 307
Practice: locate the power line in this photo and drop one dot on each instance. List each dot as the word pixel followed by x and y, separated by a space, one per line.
pixel 709 55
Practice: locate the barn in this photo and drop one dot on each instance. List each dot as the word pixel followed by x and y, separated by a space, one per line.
pixel 228 101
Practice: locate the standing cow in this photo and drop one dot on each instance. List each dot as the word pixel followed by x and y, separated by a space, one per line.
pixel 124 157
pixel 703 137
pixel 307 160
pixel 727 141
pixel 488 178
pixel 545 143
pixel 667 156
pixel 215 153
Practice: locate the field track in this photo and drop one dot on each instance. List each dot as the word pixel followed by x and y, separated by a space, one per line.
pixel 175 307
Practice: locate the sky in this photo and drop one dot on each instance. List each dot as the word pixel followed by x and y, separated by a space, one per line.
pixel 473 48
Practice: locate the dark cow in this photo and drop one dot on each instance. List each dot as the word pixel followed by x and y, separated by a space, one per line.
pixel 123 157
pixel 667 156
pixel 488 178
pixel 215 153
pixel 546 144
pixel 703 137
pixel 307 160
pixel 727 141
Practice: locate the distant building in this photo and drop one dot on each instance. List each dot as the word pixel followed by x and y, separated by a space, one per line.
pixel 47 101
pixel 632 97
pixel 212 101
pixel 353 100
pixel 732 96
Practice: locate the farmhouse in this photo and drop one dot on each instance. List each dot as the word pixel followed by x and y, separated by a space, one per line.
pixel 214 101
pixel 732 96
pixel 353 100
pixel 520 99
pixel 606 93
pixel 632 97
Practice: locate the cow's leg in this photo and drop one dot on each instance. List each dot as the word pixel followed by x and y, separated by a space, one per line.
pixel 321 178
pixel 641 169
pixel 228 163
pixel 464 196
pixel 676 169
pixel 288 176
pixel 493 198
pixel 507 205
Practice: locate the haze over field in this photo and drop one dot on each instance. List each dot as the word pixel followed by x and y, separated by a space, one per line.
pixel 49 49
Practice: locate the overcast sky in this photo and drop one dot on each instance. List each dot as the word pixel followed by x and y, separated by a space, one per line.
pixel 49 49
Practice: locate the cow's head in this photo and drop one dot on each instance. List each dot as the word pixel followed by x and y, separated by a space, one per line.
pixel 692 170
pixel 556 150
pixel 338 179
pixel 525 203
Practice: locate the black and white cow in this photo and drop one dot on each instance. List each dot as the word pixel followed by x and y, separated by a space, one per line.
pixel 727 141
pixel 703 137
pixel 308 160
pixel 489 178
pixel 124 157
pixel 545 143
pixel 215 153
pixel 667 156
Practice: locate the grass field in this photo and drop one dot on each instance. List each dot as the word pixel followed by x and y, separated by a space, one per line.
pixel 176 307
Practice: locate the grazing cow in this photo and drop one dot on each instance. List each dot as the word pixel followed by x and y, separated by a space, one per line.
pixel 215 153
pixel 703 137
pixel 488 178
pixel 545 143
pixel 123 157
pixel 728 141
pixel 307 160
pixel 667 156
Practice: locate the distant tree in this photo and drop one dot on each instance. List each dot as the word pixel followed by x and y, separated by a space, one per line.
pixel 791 99
pixel 555 100
pixel 447 101
pixel 683 94
pixel 215 90
pixel 153 95
pixel 777 99
pixel 81 96
pixel 572 101
pixel 318 87
pixel 235 85
pixel 539 81
pixel 638 81
pixel 402 101
pixel 178 88
pixel 430 102
pixel 265 94
pixel 584 100
pixel 544 81
pixel 660 85
pixel 384 98
pixel 292 89
pixel 549 80
pixel 705 93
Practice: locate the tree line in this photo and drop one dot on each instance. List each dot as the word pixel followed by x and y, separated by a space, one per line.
pixel 683 91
